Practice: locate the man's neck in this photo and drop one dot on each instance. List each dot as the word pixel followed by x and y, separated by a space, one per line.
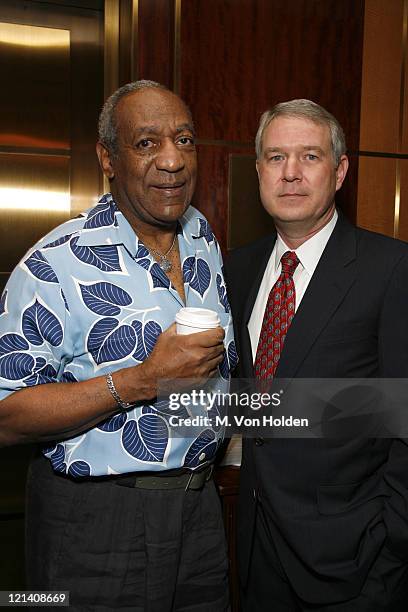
pixel 153 234
pixel 160 239
pixel 294 235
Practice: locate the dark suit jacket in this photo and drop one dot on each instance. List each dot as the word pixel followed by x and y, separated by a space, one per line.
pixel 330 504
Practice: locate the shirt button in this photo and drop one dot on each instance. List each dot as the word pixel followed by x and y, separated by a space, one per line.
pixel 201 457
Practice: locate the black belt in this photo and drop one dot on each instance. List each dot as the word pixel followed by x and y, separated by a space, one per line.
pixel 168 480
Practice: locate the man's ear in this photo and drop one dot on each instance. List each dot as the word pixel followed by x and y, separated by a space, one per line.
pixel 105 160
pixel 341 171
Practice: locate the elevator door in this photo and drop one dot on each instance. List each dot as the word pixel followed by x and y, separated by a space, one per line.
pixel 51 57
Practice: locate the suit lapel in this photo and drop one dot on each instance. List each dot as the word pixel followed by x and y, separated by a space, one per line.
pixel 260 261
pixel 332 279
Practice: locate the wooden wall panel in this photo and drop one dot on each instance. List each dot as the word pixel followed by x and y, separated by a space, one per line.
pixel 384 116
pixel 376 194
pixel 403 216
pixel 248 220
pixel 212 188
pixel 156 41
pixel 126 42
pixel 382 61
pixel 346 198
pixel 211 196
pixel 404 84
pixel 240 57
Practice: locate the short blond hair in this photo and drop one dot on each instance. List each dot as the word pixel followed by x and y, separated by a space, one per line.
pixel 304 109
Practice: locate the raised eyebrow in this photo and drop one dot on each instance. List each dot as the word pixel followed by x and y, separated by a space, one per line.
pixel 146 130
pixel 305 148
pixel 184 127
pixel 273 150
pixel 312 148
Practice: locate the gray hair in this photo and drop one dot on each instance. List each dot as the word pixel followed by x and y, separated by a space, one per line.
pixel 304 109
pixel 107 128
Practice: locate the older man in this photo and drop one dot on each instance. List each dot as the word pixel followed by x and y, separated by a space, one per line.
pixel 121 513
pixel 323 523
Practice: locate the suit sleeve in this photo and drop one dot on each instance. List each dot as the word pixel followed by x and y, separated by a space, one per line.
pixel 393 356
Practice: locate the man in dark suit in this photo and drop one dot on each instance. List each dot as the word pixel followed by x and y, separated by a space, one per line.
pixel 323 523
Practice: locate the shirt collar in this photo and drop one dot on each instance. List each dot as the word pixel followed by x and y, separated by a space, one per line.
pixel 310 251
pixel 105 224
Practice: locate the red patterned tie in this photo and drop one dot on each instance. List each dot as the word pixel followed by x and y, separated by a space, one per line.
pixel 279 312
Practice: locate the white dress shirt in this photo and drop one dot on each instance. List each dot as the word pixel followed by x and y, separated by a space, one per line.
pixel 308 254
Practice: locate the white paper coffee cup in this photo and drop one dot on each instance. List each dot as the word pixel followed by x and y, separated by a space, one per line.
pixel 194 320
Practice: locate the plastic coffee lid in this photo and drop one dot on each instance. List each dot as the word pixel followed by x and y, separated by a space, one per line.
pixel 198 317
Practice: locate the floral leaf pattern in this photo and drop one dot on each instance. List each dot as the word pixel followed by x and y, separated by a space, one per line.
pixel 223 367
pixel 222 293
pixel 160 278
pixel 10 343
pixel 40 324
pixel 82 303
pixel 58 242
pixel 57 459
pixel 147 335
pixel 146 439
pixel 109 341
pixel 40 362
pixel 105 258
pixel 68 377
pixel 79 468
pixel 229 361
pixel 205 231
pixel 197 273
pixel 232 356
pixel 40 268
pixel 141 251
pixel 104 298
pixel 14 364
pixel 46 374
pixel 114 423
pixel 145 263
pixel 205 444
pixel 101 216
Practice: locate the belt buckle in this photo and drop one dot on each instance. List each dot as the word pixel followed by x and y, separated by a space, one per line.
pixel 207 476
pixel 210 471
pixel 189 482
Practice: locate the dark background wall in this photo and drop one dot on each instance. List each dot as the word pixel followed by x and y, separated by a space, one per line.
pixel 232 59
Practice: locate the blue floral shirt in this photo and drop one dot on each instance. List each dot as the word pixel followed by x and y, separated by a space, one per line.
pixel 88 299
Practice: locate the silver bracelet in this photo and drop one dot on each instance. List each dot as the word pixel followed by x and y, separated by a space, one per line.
pixel 115 394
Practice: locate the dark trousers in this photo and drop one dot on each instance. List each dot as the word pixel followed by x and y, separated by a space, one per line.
pixel 120 548
pixel 269 590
